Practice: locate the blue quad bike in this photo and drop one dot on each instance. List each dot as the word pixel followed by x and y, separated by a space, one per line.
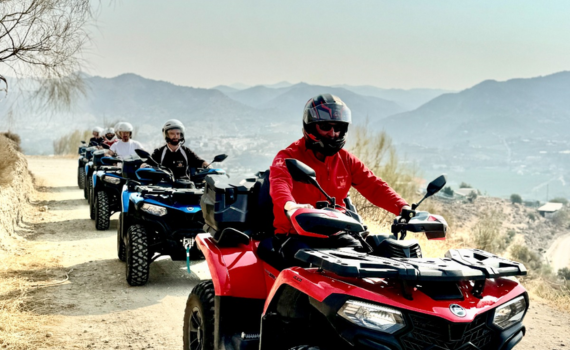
pixel 160 216
pixel 81 161
pixel 108 183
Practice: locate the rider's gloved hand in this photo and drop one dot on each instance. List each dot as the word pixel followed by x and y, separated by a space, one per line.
pixel 290 207
pixel 406 213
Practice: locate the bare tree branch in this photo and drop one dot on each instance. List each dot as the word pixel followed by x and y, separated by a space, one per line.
pixel 43 40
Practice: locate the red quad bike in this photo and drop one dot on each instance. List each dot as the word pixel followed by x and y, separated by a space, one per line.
pixel 388 297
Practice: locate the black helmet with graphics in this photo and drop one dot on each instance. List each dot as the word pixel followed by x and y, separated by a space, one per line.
pixel 325 108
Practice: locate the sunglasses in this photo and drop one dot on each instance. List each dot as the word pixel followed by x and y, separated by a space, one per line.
pixel 328 127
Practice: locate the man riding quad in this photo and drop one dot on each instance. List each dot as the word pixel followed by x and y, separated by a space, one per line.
pixel 325 123
pixel 174 155
pixel 97 139
pixel 126 146
pixel 110 137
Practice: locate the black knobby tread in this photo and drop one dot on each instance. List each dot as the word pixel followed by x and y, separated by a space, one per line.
pixel 102 211
pixel 305 347
pixel 91 200
pixel 121 249
pixel 86 190
pixel 202 296
pixel 81 178
pixel 137 256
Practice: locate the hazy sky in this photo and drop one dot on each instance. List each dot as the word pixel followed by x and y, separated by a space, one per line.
pixel 447 44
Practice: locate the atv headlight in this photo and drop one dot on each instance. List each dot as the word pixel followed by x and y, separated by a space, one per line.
pixel 372 316
pixel 153 209
pixel 510 313
pixel 112 180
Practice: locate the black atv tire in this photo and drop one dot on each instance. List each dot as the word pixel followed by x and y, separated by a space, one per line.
pixel 86 188
pixel 91 200
pixel 121 249
pixel 305 347
pixel 195 252
pixel 81 178
pixel 137 256
pixel 102 211
pixel 199 318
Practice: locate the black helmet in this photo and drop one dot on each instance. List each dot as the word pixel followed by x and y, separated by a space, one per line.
pixel 325 108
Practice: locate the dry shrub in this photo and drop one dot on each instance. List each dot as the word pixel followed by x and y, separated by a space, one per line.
pixel 14 137
pixel 8 159
pixel 486 233
pixel 555 293
pixel 68 144
pixel 527 257
pixel 22 326
pixel 379 155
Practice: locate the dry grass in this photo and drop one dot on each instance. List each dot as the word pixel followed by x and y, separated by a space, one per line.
pixel 22 273
pixel 378 153
pixel 68 144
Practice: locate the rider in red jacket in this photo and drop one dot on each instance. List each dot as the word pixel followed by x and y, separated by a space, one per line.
pixel 325 123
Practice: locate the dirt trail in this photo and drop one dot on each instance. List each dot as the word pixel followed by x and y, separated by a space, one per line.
pixel 98 310
pixel 559 253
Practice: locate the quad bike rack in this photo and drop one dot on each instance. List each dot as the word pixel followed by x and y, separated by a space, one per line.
pixel 458 265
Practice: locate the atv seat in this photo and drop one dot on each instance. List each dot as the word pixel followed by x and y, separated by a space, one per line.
pixel 230 237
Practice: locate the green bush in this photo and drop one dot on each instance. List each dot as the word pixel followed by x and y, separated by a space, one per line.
pixel 472 196
pixel 448 191
pixel 516 199
pixel 532 216
pixel 564 273
pixel 559 200
pixel 465 185
pixel 530 259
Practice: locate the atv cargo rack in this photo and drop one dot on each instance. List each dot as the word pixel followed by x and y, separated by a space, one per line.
pixel 458 265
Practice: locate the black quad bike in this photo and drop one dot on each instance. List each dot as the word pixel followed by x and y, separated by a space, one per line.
pixel 382 295
pixel 160 216
pixel 81 161
pixel 108 185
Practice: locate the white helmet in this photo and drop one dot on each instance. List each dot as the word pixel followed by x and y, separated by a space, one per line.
pixel 109 131
pixel 98 130
pixel 124 127
pixel 170 125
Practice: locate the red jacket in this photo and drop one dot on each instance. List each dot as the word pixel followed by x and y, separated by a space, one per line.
pixel 335 175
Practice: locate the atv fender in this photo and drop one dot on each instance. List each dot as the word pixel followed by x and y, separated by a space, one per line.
pixel 235 271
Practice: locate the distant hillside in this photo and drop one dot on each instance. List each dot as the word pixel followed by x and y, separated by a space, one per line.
pixel 408 99
pixel 488 113
pixel 362 107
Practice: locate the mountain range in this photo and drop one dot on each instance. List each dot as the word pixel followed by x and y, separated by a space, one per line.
pixel 499 131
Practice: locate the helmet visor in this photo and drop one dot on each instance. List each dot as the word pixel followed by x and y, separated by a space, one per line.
pixel 328 112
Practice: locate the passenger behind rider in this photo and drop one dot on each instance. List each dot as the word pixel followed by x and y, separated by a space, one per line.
pixel 126 146
pixel 110 137
pixel 325 124
pixel 173 155
pixel 97 138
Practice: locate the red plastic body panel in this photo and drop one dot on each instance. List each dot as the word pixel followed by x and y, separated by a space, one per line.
pixel 235 271
pixel 320 285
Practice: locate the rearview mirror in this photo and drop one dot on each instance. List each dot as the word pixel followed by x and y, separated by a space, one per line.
pixel 436 185
pixel 219 158
pixel 300 171
pixel 83 142
pixel 142 153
